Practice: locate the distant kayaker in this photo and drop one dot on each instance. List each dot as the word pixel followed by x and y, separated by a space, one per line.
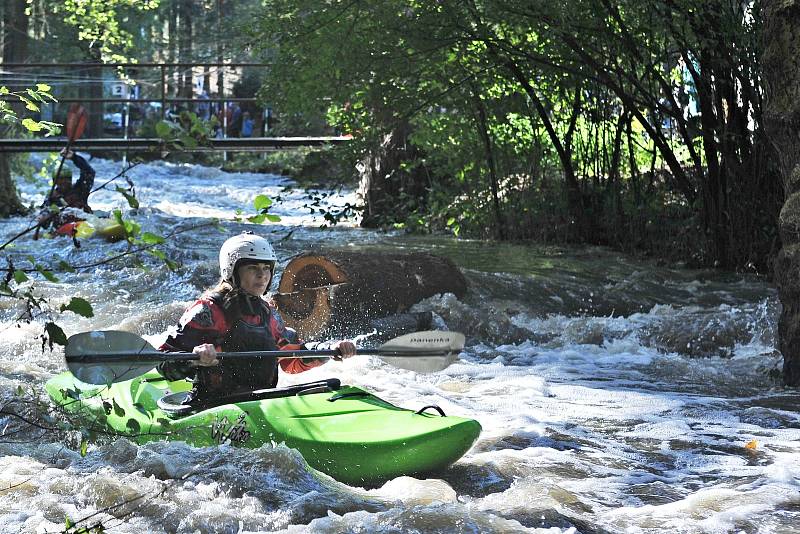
pixel 235 316
pixel 68 200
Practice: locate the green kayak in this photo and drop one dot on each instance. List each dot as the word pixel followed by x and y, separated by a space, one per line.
pixel 344 431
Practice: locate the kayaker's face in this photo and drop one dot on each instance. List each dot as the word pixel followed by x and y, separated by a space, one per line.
pixel 254 278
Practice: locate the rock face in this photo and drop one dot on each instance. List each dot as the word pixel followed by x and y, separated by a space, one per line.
pixel 340 292
pixel 781 74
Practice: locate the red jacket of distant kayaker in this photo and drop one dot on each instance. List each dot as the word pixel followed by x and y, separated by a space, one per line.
pixel 244 323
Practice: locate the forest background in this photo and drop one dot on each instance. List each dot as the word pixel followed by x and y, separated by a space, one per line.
pixel 637 125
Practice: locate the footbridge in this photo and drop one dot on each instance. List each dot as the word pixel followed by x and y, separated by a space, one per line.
pixel 156 144
pixel 124 101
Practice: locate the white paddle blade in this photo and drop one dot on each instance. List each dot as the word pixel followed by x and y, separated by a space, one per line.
pixel 105 342
pixel 450 344
pixel 421 364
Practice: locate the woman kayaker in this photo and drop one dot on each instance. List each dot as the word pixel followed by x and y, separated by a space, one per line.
pixel 235 316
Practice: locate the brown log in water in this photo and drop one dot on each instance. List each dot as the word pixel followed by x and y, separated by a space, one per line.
pixel 336 292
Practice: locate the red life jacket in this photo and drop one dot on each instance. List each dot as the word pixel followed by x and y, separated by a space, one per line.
pixel 249 324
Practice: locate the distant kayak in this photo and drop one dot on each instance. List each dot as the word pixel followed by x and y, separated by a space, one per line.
pixel 108 229
pixel 344 431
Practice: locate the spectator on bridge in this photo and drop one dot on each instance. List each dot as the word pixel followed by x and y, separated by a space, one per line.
pixel 67 200
pixel 247 125
pixel 204 107
pixel 234 120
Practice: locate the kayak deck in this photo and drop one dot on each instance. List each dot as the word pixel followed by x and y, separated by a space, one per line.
pixel 346 432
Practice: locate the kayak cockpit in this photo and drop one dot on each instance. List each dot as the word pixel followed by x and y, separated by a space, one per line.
pixel 177 405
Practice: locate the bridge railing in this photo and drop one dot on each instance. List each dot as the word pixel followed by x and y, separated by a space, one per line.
pixel 125 100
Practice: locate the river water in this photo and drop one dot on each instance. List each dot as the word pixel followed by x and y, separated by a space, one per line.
pixel 615 395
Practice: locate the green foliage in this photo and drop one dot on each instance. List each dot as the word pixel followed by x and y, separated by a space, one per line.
pixel 149 238
pixel 262 204
pixel 187 132
pixel 100 22
pixel 593 98
pixel 54 334
pixel 133 202
pixel 79 306
pixel 32 98
pixel 132 228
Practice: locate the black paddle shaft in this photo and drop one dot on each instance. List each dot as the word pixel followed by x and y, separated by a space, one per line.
pixel 157 357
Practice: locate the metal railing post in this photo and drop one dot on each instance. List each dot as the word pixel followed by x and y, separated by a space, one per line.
pixel 163 91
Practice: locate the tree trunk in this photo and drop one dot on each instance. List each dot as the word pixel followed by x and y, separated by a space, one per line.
pixel 339 292
pixel 15 50
pixel 220 52
pixel 9 200
pixel 483 130
pixel 781 47
pixel 185 48
pixel 172 48
pixel 564 150
pixel 383 179
pixel 94 127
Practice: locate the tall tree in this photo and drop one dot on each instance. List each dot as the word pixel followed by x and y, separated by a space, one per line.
pixel 15 50
pixel 185 16
pixel 781 45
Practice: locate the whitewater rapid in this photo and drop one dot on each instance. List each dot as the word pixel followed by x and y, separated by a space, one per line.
pixel 615 395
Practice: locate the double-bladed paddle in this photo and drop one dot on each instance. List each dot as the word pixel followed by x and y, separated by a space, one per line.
pixel 109 356
pixel 76 124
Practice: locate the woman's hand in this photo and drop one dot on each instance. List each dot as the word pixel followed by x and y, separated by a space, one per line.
pixel 345 349
pixel 208 355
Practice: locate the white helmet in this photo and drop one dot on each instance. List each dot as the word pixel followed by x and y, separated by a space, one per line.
pixel 245 246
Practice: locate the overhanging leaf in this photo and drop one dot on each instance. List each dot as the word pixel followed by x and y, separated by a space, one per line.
pixel 152 239
pixel 257 219
pixel 261 202
pixel 31 125
pixel 79 306
pixel 133 425
pixel 132 200
pixel 55 334
pixel 47 274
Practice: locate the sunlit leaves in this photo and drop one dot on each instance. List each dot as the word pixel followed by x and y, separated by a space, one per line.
pixel 31 125
pixel 262 202
pixel 133 202
pixel 164 129
pixel 152 239
pixel 131 227
pixel 161 255
pixel 99 23
pixel 32 98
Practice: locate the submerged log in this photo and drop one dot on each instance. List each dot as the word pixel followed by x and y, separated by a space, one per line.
pixel 339 292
